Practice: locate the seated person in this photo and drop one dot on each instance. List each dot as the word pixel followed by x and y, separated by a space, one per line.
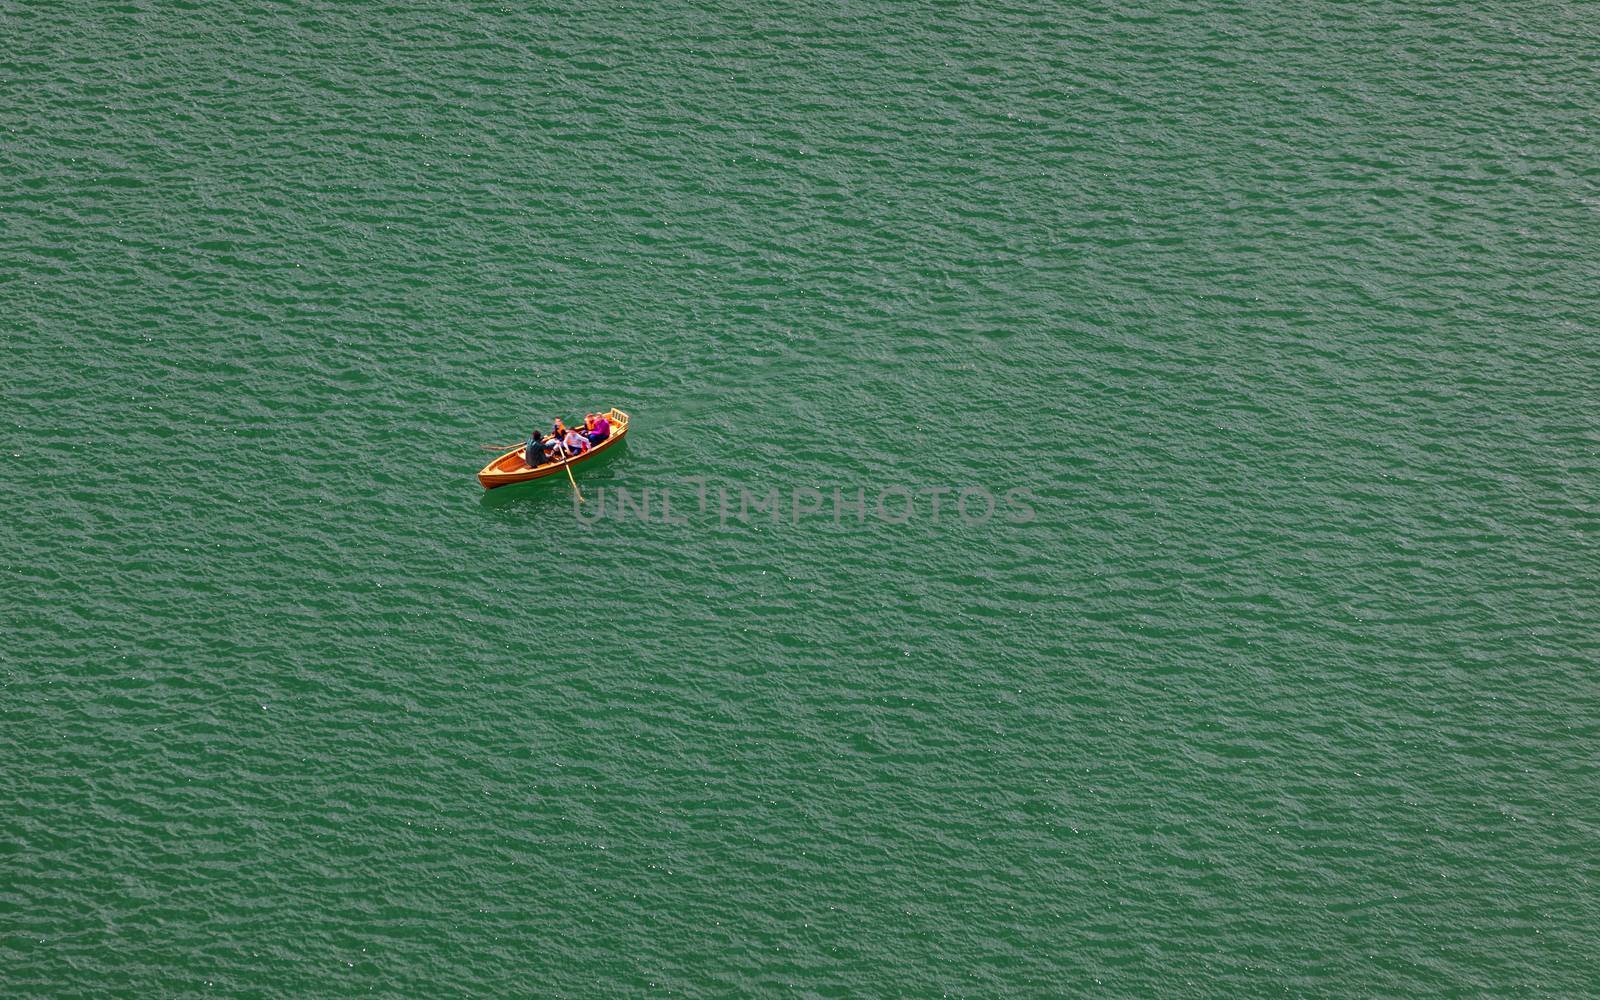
pixel 599 427
pixel 576 442
pixel 533 451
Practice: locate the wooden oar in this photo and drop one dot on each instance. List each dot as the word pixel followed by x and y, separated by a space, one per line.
pixel 499 447
pixel 568 464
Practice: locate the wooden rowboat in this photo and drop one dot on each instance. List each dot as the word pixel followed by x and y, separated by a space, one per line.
pixel 512 467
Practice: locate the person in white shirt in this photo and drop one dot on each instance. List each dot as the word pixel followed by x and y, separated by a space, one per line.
pixel 576 443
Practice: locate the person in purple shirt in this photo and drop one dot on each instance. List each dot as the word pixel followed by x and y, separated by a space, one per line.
pixel 599 428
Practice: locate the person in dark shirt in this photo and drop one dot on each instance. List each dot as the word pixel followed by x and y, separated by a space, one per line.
pixel 533 451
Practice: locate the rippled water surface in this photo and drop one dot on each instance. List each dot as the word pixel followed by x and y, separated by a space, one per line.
pixel 1284 319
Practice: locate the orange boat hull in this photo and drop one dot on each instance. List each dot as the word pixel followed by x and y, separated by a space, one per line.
pixel 510 467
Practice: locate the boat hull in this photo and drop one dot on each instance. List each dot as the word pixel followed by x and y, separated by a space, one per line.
pixel 510 468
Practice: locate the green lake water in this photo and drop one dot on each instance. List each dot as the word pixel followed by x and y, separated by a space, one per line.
pixel 1270 330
